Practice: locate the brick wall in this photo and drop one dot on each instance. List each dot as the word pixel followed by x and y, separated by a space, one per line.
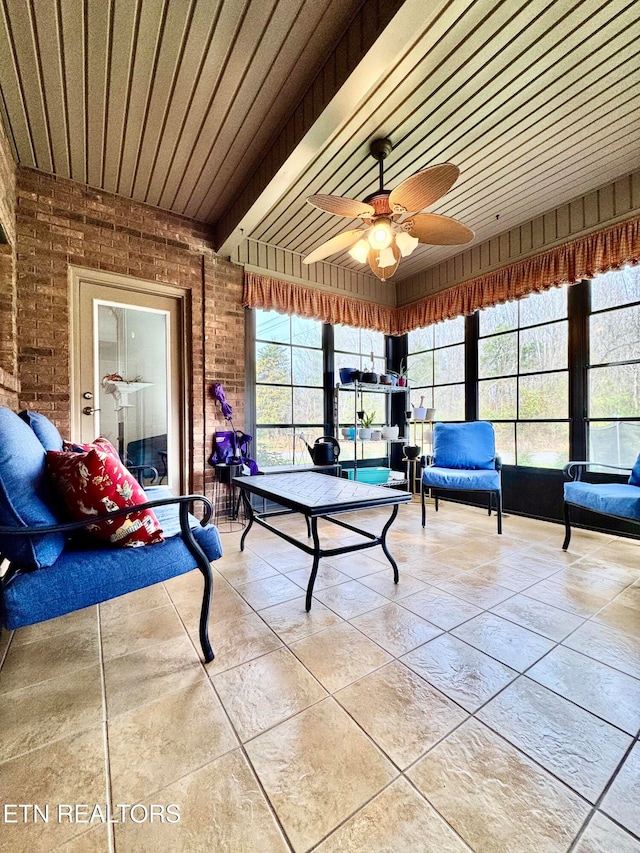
pixel 61 223
pixel 8 346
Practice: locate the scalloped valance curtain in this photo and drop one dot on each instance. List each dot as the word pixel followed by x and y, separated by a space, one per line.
pixel 608 249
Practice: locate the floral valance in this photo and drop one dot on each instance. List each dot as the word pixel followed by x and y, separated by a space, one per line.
pixel 608 249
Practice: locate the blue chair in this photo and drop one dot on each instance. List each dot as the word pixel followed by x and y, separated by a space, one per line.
pixel 617 500
pixel 50 573
pixel 464 459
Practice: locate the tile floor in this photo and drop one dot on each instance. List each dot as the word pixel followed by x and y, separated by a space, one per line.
pixel 489 702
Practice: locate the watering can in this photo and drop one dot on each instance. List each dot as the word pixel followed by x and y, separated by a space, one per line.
pixel 325 451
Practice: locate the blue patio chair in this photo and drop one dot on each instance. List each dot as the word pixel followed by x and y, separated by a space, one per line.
pixel 464 459
pixel 617 500
pixel 50 572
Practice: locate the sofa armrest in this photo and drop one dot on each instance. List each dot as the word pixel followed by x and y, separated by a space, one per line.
pixel 70 526
pixel 498 463
pixel 575 470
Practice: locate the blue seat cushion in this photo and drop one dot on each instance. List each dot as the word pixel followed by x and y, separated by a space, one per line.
pixel 468 445
pixel 83 577
pixel 46 431
pixel 25 499
pixel 634 477
pixel 454 478
pixel 618 499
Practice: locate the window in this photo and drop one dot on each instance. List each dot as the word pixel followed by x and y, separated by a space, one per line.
pixel 523 378
pixel 289 387
pixel 435 367
pixel 614 368
pixel 361 349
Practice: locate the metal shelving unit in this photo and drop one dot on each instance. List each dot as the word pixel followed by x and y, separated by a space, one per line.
pixel 358 389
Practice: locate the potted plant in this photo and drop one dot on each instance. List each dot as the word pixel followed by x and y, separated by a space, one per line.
pixel 402 374
pixel 366 419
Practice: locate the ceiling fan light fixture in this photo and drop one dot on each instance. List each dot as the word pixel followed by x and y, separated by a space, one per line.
pixel 360 252
pixel 406 243
pixel 386 258
pixel 381 235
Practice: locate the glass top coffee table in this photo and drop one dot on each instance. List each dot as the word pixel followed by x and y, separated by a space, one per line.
pixel 318 496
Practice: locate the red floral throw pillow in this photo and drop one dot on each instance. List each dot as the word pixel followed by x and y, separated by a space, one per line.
pixel 95 483
pixel 101 443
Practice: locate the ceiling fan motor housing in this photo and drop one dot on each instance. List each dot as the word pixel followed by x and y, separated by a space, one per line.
pixel 379 200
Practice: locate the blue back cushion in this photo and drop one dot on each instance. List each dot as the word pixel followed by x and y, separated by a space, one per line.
pixel 634 479
pixel 47 432
pixel 470 445
pixel 24 496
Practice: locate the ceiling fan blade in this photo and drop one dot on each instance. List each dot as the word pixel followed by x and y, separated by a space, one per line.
pixel 439 230
pixel 383 273
pixel 335 244
pixel 342 206
pixel 425 187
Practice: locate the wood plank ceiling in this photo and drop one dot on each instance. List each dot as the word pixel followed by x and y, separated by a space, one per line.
pixel 195 105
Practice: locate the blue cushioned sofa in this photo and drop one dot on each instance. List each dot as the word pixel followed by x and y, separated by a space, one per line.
pixel 53 568
pixel 617 500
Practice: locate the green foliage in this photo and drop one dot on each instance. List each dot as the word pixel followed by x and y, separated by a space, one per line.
pixel 367 418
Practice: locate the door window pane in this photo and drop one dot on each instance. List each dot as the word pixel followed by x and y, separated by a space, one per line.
pixel 543 348
pixel 498 355
pixel 448 365
pixel 448 401
pixel 614 443
pixel 498 399
pixel 615 335
pixel 506 442
pixel 544 396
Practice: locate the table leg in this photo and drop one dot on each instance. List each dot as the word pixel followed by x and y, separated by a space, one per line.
pixel 316 560
pixel 383 542
pixel 249 511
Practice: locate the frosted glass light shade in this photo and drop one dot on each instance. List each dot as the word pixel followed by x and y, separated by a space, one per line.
pixel 380 235
pixel 386 258
pixel 360 251
pixel 406 243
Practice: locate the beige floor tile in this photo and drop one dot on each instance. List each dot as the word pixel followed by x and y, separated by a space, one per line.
pixel 244 569
pixel 416 827
pixel 79 620
pixel 605 692
pixel 48 657
pixel 602 564
pixel 237 641
pixel 268 591
pixel 539 560
pixel 226 603
pixel 291 622
pixel 589 577
pixel 350 599
pixel 495 797
pixel 133 602
pixel 403 714
pixel 40 713
pixel 475 589
pixel 122 635
pixel 572 744
pixel 96 840
pixel 620 552
pixel 581 602
pixel 622 801
pixel 506 576
pixel 221 809
pixel 509 643
pixel 327 576
pixel 339 655
pixel 156 744
pixel 538 616
pixel 395 629
pixel 428 571
pixel 259 694
pixel 440 607
pixel 148 674
pixel 620 617
pixel 67 771
pixel 358 564
pixel 317 768
pixel 463 673
pixel 607 645
pixel 603 836
pixel 383 583
pixel 462 558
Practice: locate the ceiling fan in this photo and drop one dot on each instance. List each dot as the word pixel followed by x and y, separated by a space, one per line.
pixel 394 219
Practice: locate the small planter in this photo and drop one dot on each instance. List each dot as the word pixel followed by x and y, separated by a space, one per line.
pixel 419 413
pixel 376 434
pixel 364 433
pixel 402 381
pixel 391 433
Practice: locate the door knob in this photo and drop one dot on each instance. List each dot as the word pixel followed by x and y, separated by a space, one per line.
pixel 89 411
pixel 88 395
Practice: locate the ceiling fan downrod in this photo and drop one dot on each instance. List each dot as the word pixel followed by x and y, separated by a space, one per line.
pixel 379 150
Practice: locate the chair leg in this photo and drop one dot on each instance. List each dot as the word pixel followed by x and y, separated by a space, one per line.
pixel 424 512
pixel 490 501
pixel 499 510
pixel 435 499
pixel 567 527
